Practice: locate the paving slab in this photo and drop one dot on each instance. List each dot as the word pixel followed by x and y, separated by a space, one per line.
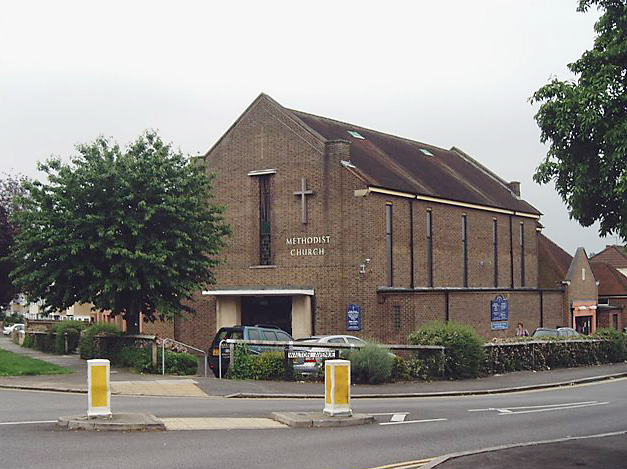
pixel 221 423
pixel 319 420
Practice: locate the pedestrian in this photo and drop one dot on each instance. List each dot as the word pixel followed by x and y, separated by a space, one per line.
pixel 521 331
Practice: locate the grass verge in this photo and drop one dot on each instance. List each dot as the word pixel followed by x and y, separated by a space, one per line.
pixel 12 364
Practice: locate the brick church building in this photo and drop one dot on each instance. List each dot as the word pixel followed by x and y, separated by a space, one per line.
pixel 341 229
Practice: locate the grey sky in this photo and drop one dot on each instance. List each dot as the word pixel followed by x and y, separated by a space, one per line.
pixel 447 73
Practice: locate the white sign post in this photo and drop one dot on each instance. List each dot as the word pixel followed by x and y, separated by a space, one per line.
pixel 99 389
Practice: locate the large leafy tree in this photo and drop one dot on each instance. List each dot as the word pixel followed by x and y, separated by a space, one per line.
pixel 585 123
pixel 131 231
pixel 10 188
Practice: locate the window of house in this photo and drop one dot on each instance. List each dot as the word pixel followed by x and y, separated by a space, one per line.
pixel 397 317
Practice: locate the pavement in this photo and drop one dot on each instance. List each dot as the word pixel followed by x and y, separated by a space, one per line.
pixel 554 455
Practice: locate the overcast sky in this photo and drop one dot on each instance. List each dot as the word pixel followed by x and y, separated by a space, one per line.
pixel 447 73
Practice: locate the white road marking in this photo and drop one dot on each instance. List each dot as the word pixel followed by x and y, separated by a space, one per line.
pixel 28 423
pixel 398 417
pixel 406 464
pixel 538 408
pixel 389 413
pixel 413 421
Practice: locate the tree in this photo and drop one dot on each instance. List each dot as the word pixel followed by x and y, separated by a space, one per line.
pixel 10 188
pixel 129 231
pixel 585 123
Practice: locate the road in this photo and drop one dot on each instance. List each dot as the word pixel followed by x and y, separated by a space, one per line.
pixel 406 429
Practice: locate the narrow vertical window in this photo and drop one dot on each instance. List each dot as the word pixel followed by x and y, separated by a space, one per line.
pixel 465 249
pixel 429 248
pixel 522 254
pixel 388 239
pixel 495 251
pixel 397 318
pixel 265 239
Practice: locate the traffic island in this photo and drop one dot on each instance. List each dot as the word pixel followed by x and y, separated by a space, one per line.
pixel 125 422
pixel 319 419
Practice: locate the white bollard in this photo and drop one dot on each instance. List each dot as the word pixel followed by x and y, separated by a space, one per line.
pixel 337 384
pixel 99 390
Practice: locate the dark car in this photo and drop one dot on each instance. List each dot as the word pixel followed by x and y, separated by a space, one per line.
pixel 258 332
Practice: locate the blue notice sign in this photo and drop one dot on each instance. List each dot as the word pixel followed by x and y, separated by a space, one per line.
pixel 499 326
pixel 353 318
pixel 499 309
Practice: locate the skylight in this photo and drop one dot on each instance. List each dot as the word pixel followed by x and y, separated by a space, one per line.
pixel 426 152
pixel 354 133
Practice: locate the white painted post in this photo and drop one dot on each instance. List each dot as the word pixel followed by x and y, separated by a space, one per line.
pixel 337 384
pixel 98 388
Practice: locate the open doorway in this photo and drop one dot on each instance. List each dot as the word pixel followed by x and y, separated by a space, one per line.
pixel 274 310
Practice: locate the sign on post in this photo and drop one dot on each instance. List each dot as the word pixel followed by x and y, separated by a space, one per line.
pixel 98 388
pixel 337 385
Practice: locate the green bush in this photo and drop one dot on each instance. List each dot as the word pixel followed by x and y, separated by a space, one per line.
pixel 73 330
pixel 177 363
pixel 28 341
pixel 464 347
pixel 265 366
pixel 138 359
pixel 87 343
pixel 371 364
pixel 617 343
pixel 400 369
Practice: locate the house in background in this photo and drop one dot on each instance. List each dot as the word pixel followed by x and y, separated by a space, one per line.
pixel 614 255
pixel 612 302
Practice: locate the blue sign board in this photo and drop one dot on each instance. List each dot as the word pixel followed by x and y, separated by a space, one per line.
pixel 499 326
pixel 499 309
pixel 353 318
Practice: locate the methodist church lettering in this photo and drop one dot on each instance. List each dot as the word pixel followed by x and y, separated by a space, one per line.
pixel 307 245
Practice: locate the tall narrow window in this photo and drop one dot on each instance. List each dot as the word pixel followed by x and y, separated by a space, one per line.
pixel 429 248
pixel 265 239
pixel 495 250
pixel 465 250
pixel 522 254
pixel 388 239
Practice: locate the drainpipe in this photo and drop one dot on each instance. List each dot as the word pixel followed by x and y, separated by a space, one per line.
pixel 511 253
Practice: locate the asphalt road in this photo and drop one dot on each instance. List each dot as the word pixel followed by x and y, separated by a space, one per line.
pixel 406 429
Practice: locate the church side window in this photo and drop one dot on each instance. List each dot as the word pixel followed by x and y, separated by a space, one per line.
pixel 465 249
pixel 388 239
pixel 522 254
pixel 429 248
pixel 495 251
pixel 265 239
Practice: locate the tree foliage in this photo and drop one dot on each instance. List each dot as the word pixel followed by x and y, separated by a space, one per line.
pixel 128 231
pixel 10 188
pixel 585 123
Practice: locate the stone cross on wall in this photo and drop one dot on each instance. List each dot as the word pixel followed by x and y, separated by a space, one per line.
pixel 303 193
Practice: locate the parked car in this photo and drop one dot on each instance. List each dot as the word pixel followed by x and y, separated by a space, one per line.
pixel 555 332
pixel 261 332
pixel 13 327
pixel 311 360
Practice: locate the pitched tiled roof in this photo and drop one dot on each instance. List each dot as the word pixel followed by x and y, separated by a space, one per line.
pixel 611 281
pixel 395 163
pixel 553 262
pixel 613 255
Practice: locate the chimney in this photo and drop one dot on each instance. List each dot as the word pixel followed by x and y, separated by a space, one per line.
pixel 514 186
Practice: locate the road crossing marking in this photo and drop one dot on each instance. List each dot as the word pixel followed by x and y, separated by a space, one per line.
pixel 407 464
pixel 413 421
pixel 538 408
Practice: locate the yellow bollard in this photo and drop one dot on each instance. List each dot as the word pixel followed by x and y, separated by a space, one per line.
pixel 99 390
pixel 337 383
